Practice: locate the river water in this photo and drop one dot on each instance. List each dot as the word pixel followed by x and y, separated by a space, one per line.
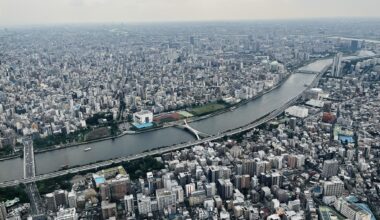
pixel 132 144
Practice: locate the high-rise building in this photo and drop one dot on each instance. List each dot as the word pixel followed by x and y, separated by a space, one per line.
pixel 178 190
pixel 213 173
pixel 3 211
pixel 292 161
pixel 72 199
pixel 119 188
pixel 237 181
pixel 330 168
pixel 337 64
pixel 190 188
pixel 128 203
pixel 260 167
pixel 225 188
pixel 165 198
pixel 249 167
pixel 276 179
pixel 354 45
pixel 210 189
pixel 245 181
pixel 144 204
pixel 334 187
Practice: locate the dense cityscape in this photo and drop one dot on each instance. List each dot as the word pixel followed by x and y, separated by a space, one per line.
pixel 315 155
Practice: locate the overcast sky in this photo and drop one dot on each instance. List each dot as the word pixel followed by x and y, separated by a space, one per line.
pixel 24 12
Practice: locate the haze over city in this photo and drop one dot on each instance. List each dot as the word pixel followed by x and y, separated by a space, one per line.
pixel 26 12
pixel 189 109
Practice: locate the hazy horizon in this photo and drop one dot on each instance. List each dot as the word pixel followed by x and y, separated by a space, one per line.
pixel 50 12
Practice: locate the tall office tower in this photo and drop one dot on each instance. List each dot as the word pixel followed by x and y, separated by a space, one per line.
pixel 335 187
pixel 354 45
pixel 178 190
pixel 249 167
pixel 51 203
pixel 245 181
pixel 276 179
pixel 292 161
pixel 239 169
pixel 165 198
pixel 213 173
pixel 72 199
pixel 151 180
pixel 225 172
pixel 260 167
pixel 330 168
pixel 189 188
pixel 237 181
pixel 337 64
pixel 128 204
pixel 3 211
pixel 143 204
pixel 210 189
pixel 225 188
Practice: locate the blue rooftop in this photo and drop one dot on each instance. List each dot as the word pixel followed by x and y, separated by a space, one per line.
pixel 141 126
pixel 99 180
pixel 343 138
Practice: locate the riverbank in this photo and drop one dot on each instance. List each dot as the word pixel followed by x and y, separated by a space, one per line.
pixel 167 125
pixel 130 145
pixel 270 113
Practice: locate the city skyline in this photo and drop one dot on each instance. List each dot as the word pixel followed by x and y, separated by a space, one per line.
pixel 34 12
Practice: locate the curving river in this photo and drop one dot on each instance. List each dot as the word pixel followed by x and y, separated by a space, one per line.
pixel 132 144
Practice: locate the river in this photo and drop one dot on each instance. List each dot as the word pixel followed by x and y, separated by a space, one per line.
pixel 132 144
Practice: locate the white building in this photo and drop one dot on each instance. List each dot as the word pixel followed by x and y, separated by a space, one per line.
pixel 144 204
pixel 143 117
pixel 165 198
pixel 335 187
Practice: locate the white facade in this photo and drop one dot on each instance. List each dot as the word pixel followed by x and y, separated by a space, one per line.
pixel 142 117
pixel 335 187
pixel 144 205
pixel 165 198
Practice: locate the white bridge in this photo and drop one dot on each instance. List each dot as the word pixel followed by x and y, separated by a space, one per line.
pixel 198 134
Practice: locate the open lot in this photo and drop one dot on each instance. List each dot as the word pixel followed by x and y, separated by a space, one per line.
pixel 206 109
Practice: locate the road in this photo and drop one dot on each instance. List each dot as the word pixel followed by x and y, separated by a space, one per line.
pixel 30 173
pixel 29 166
